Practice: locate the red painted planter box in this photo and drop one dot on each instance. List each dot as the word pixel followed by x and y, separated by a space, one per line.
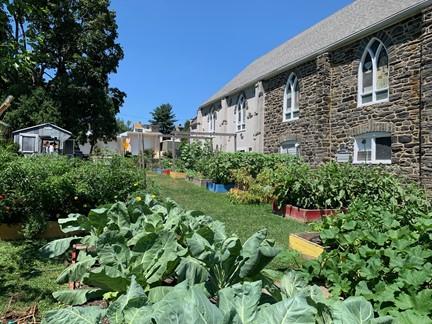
pixel 166 171
pixel 282 211
pixel 301 214
pixel 309 215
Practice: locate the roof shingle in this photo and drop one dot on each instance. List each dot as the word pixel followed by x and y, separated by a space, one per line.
pixel 349 22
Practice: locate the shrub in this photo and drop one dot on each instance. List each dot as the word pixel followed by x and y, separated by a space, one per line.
pixel 334 185
pixel 250 190
pixel 221 166
pixel 191 154
pixel 50 187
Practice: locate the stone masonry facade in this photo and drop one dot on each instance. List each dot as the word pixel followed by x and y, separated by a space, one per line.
pixel 330 117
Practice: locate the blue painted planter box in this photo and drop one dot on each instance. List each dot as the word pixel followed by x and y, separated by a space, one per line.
pixel 221 188
pixel 209 185
pixel 158 170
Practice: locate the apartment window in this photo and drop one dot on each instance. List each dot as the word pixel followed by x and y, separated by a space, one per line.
pixel 28 143
pixel 289 147
pixel 241 114
pixel 373 148
pixel 291 99
pixel 211 120
pixel 374 74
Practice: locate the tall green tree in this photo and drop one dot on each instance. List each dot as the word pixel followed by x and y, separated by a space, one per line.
pixel 68 48
pixel 123 126
pixel 164 117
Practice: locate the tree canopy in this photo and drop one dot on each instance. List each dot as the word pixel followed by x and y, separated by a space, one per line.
pixel 164 117
pixel 56 58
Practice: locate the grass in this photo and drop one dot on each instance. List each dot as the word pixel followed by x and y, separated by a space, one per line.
pixel 25 279
pixel 242 220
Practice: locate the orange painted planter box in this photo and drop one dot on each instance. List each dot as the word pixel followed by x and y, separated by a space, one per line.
pixel 177 175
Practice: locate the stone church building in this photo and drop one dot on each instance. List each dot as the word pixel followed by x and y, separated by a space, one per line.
pixel 356 87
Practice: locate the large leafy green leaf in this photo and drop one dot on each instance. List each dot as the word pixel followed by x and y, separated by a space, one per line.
pixel 76 271
pixel 192 270
pixel 258 252
pixel 119 217
pixel 158 293
pixel 293 310
pixel 160 259
pixel 354 310
pixel 77 296
pixel 57 247
pixel 72 223
pixel 108 279
pixel 240 302
pixel 115 255
pixel 291 285
pixel 187 305
pixel 128 307
pixel 97 219
pixel 421 303
pixel 74 315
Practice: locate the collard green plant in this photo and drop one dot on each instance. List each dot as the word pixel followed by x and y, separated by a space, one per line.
pixel 239 304
pixel 155 242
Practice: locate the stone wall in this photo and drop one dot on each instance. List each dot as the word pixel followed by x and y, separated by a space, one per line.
pixel 426 106
pixel 311 129
pixel 330 117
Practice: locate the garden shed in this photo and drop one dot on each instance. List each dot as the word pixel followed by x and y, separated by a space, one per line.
pixel 44 139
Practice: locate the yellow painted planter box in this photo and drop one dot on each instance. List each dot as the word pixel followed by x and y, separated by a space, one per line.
pixel 302 244
pixel 178 175
pixel 12 232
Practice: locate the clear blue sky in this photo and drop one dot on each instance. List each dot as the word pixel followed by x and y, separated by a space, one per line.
pixel 183 51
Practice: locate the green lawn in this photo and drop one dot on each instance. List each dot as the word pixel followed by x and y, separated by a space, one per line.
pixel 25 279
pixel 242 220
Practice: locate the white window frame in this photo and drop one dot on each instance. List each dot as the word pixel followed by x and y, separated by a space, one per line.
pixel 369 136
pixel 211 121
pixel 291 84
pixel 374 91
pixel 241 109
pixel 290 142
pixel 35 136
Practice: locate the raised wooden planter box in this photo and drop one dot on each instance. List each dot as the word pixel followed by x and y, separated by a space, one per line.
pixel 177 175
pixel 302 215
pixel 303 243
pixel 12 232
pixel 200 182
pixel 157 170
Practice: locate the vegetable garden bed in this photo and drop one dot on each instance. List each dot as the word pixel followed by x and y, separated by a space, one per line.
pixel 306 244
pixel 154 262
pixel 219 188
pixel 200 182
pixel 13 232
pixel 301 214
pixel 177 175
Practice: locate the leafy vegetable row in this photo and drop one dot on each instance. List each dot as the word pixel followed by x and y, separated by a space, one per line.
pixel 156 262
